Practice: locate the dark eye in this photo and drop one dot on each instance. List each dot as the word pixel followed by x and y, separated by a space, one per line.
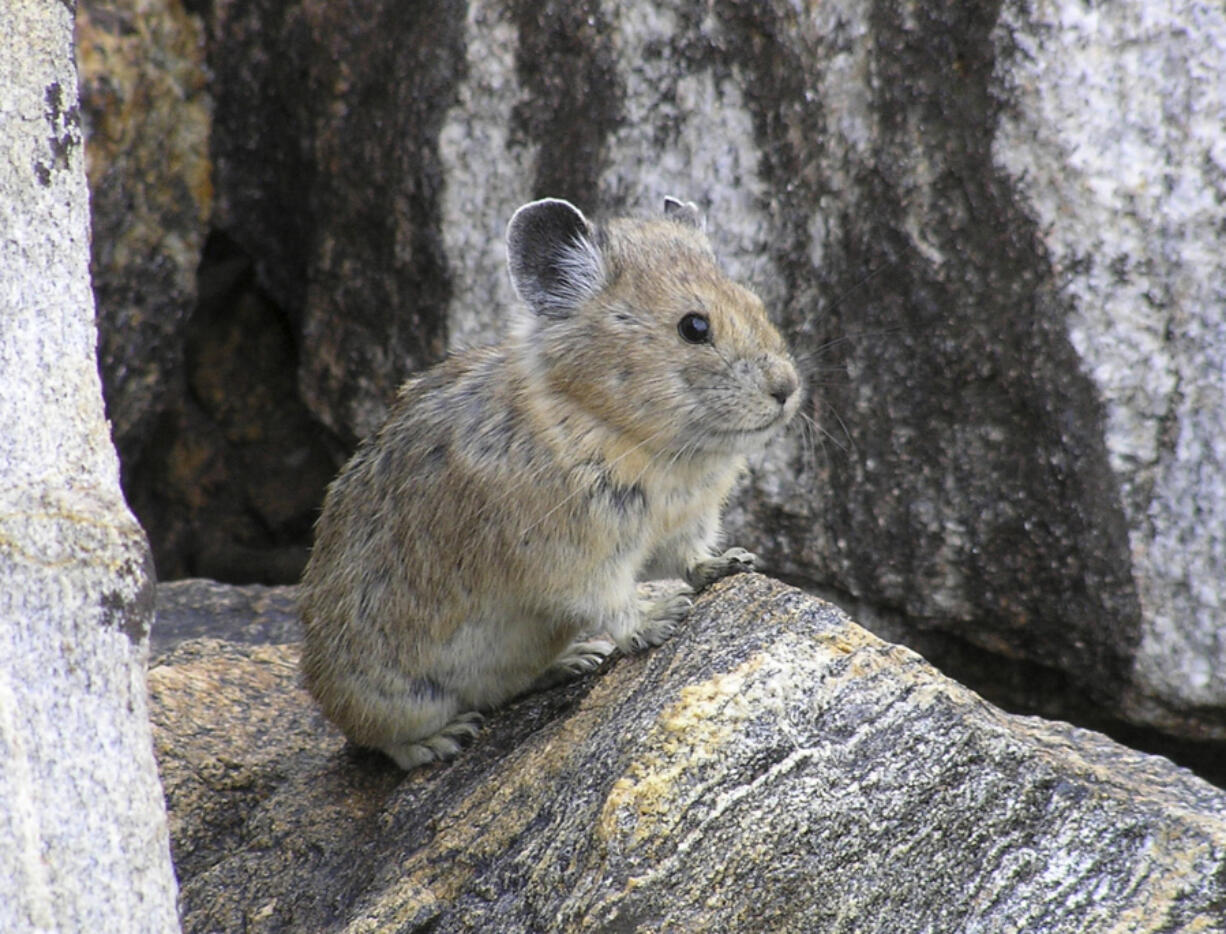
pixel 695 328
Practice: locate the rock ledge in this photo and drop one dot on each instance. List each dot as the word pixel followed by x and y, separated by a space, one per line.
pixel 774 767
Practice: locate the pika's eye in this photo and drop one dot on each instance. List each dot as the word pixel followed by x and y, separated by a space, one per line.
pixel 695 328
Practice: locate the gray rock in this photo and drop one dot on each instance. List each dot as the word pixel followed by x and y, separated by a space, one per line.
pixel 196 608
pixel 328 174
pixel 82 821
pixel 773 767
pixel 1115 136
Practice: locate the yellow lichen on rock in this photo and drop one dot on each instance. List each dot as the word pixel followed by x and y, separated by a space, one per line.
pixel 707 719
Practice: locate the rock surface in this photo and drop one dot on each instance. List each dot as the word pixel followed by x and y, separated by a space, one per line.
pixel 1125 176
pixel 82 821
pixel 230 482
pixel 339 203
pixel 221 460
pixel 196 608
pixel 773 767
pixel 992 232
pixel 147 117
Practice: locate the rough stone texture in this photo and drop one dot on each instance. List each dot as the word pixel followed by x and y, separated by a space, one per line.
pixel 233 476
pixel 82 822
pixel 1027 688
pixel 195 608
pixel 992 231
pixel 328 174
pixel 231 727
pixel 773 767
pixel 1116 133
pixel 198 370
pixel 146 118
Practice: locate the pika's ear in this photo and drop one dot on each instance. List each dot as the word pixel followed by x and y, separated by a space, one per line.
pixel 683 212
pixel 554 262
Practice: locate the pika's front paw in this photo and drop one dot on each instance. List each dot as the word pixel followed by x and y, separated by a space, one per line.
pixel 707 571
pixel 660 619
pixel 582 657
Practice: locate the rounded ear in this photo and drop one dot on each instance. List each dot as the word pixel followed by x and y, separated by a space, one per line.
pixel 554 263
pixel 683 212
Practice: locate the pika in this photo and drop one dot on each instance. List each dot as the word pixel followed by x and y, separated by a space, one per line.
pixel 494 529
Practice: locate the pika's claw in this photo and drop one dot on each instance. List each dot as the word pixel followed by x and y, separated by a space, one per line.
pixel 703 573
pixel 466 725
pixel 671 609
pixel 577 659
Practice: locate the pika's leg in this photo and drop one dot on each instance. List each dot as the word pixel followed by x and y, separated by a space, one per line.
pixel 688 554
pixel 444 744
pixel 706 571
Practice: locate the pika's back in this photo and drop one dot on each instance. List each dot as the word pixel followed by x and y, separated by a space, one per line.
pixel 450 474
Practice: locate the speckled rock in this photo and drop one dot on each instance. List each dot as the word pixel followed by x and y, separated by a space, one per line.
pixel 82 822
pixel 230 727
pixel 773 767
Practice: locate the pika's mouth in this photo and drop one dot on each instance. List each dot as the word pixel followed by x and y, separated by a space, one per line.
pixel 771 425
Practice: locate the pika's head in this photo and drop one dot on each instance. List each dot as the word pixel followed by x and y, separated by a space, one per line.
pixel 635 323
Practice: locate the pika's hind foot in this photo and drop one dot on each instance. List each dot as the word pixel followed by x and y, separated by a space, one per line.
pixel 443 745
pixel 706 572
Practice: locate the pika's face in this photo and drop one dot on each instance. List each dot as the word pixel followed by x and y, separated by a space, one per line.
pixel 672 352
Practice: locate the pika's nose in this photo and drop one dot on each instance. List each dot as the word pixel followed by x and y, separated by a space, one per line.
pixel 783 385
